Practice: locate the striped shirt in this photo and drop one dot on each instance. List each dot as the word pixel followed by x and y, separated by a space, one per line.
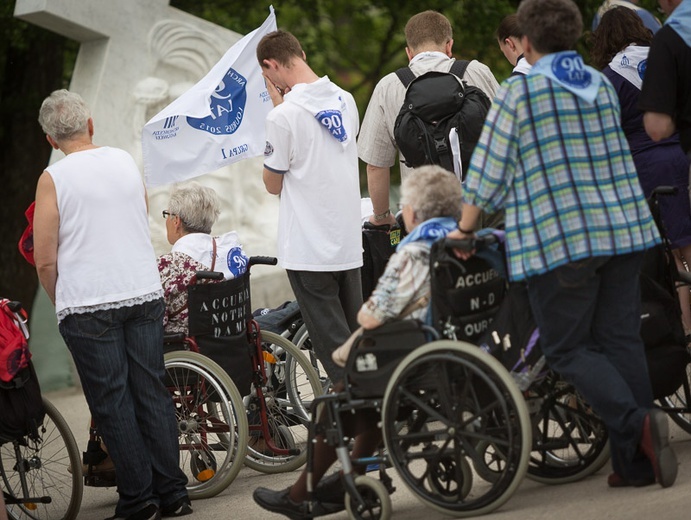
pixel 563 171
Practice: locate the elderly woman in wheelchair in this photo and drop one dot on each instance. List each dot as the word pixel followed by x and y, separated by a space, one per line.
pixel 192 211
pixel 431 206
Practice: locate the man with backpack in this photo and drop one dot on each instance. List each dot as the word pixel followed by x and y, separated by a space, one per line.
pixel 429 41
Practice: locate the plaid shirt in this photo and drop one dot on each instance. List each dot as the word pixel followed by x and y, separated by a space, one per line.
pixel 563 171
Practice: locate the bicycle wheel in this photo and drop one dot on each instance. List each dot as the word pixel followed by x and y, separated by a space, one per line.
pixel 463 403
pixel 292 383
pixel 212 424
pixel 51 467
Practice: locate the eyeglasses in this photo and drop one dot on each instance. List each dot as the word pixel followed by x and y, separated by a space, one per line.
pixel 167 214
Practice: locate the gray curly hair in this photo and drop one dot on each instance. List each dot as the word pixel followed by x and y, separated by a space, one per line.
pixel 432 192
pixel 64 115
pixel 197 206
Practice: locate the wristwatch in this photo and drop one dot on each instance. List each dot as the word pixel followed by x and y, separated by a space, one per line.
pixel 381 216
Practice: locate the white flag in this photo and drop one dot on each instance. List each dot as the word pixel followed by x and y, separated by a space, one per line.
pixel 217 122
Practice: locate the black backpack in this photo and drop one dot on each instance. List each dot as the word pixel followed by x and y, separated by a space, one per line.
pixel 436 102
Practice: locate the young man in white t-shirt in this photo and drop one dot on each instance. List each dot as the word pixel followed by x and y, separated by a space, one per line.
pixel 311 161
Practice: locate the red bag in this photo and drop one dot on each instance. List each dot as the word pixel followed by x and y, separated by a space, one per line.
pixel 26 242
pixel 14 349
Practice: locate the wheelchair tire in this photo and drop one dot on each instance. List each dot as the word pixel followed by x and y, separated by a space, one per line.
pixel 570 442
pixel 53 469
pixel 291 386
pixel 302 340
pixel 459 397
pixel 212 423
pixel 377 502
pixel 678 404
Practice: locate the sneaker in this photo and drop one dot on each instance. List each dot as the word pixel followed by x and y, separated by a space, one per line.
pixel 150 512
pixel 655 445
pixel 280 502
pixel 181 507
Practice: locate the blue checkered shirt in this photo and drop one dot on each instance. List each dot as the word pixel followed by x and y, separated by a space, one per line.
pixel 563 171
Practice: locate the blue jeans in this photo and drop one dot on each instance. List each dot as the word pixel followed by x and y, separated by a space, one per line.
pixel 588 313
pixel 329 303
pixel 119 357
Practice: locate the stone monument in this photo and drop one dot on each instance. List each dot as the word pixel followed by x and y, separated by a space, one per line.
pixel 134 58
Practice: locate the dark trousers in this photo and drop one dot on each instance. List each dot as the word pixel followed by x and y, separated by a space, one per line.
pixel 119 356
pixel 329 303
pixel 588 313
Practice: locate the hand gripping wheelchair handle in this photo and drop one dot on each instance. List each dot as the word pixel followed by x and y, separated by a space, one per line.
pixel 263 260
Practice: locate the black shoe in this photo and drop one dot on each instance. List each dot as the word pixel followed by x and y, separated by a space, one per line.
pixel 181 507
pixel 330 493
pixel 280 502
pixel 150 512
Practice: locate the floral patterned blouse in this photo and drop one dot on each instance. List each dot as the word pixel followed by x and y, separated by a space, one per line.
pixel 177 270
pixel 405 280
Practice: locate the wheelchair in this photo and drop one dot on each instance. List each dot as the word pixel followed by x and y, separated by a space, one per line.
pixel 242 395
pixel 456 427
pixel 669 358
pixel 38 476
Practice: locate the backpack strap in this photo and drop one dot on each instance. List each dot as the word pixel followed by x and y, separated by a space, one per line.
pixel 458 68
pixel 405 75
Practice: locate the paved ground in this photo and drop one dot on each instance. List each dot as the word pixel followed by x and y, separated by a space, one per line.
pixel 585 500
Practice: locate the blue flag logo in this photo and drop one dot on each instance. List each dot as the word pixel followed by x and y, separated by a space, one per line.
pixel 227 106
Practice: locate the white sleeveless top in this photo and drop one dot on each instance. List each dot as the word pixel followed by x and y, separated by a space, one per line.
pixel 105 257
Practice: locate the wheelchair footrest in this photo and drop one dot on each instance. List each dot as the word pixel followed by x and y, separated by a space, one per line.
pixel 105 479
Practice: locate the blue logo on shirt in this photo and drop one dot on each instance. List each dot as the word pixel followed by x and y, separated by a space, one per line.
pixel 237 262
pixel 570 70
pixel 641 68
pixel 227 106
pixel 333 121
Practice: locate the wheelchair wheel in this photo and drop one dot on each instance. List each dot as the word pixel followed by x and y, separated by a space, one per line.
pixel 570 442
pixel 463 403
pixel 678 404
pixel 292 384
pixel 212 424
pixel 301 339
pixel 375 497
pixel 51 470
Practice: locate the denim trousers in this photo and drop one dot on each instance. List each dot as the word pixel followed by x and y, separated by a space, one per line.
pixel 119 357
pixel 329 303
pixel 588 313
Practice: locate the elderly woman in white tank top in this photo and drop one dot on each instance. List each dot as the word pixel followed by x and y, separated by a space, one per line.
pixel 91 221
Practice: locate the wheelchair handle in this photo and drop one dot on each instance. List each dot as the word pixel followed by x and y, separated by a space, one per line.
pixel 468 244
pixel 263 260
pixel 209 275
pixel 665 190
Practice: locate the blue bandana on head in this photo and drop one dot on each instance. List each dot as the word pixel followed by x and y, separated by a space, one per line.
pixel 568 70
pixel 680 21
pixel 430 231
